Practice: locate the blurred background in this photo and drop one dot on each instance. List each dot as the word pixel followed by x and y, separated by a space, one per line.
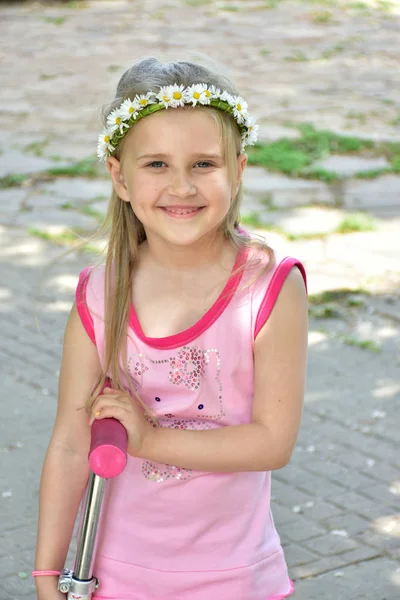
pixel 322 78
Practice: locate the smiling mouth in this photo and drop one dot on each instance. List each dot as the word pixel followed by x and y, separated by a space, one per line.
pixel 181 211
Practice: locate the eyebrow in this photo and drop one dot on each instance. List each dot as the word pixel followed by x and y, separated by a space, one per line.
pixel 197 155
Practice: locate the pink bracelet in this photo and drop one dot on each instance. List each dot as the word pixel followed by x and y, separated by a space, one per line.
pixel 39 573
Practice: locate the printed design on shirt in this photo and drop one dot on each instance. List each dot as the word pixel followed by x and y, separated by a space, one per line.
pixel 192 367
pixel 196 370
pixel 187 367
pixel 159 472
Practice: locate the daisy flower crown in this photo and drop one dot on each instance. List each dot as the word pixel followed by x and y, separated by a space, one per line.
pixel 121 119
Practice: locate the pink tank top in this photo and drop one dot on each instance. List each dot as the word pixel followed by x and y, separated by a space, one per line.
pixel 170 533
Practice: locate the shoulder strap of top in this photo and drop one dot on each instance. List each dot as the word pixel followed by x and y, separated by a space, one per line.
pixel 81 296
pixel 275 281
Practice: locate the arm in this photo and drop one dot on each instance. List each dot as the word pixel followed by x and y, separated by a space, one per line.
pixel 280 357
pixel 65 471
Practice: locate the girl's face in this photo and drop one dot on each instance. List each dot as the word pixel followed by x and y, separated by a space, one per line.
pixel 174 175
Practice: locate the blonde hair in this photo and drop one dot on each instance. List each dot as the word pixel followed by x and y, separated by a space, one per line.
pixel 126 231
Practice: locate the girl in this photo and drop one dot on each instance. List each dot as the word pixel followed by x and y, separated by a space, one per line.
pixel 203 334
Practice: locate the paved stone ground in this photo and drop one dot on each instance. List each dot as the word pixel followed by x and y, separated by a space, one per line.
pixel 336 504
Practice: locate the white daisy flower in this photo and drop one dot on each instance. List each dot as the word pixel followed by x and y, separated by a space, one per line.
pixel 252 129
pixel 227 97
pixel 214 92
pixel 205 96
pixel 128 109
pixel 143 100
pixel 104 147
pixel 240 109
pixel 115 121
pixel 178 98
pixel 194 93
pixel 165 95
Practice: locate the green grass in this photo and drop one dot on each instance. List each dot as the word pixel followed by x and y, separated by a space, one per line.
pixel 87 167
pixel 385 5
pixel 229 7
pixel 114 68
pixel 92 212
pixel 369 345
pixel 65 237
pixel 76 4
pixel 326 311
pixel 69 238
pixel 346 295
pixel 252 219
pixel 358 221
pixel 14 180
pixel 333 51
pixel 36 148
pixel 321 16
pixel 55 20
pixel 270 4
pixel 295 157
pixel 198 2
pixel 297 56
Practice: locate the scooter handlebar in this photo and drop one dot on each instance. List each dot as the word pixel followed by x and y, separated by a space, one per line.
pixel 108 448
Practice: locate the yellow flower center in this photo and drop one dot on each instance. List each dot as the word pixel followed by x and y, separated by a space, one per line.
pixel 239 106
pixel 132 109
pixel 106 139
pixel 177 95
pixel 143 102
pixel 166 99
pixel 118 120
pixel 196 95
pixel 207 93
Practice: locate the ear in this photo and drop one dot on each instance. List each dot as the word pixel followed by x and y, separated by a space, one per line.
pixel 118 180
pixel 241 164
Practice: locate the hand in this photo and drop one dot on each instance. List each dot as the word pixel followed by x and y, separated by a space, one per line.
pixel 121 406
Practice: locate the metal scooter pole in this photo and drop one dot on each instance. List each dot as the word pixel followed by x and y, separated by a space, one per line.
pixel 107 458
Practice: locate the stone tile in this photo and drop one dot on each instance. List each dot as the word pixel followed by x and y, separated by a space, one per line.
pixel 349 522
pixel 330 544
pixel 346 166
pixel 300 530
pixel 270 132
pixel 280 191
pixel 369 580
pixel 296 555
pixel 315 568
pixel 78 188
pixel 384 494
pixel 383 192
pixel 14 161
pixel 11 199
pixel 318 510
pixel 56 221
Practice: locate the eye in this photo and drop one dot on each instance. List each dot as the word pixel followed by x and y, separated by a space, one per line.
pixel 204 164
pixel 156 164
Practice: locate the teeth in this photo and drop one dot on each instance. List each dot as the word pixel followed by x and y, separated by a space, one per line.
pixel 181 211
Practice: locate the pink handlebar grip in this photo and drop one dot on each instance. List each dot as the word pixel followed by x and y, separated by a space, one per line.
pixel 108 448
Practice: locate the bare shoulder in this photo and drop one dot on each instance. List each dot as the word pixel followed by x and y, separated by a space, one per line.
pixel 294 289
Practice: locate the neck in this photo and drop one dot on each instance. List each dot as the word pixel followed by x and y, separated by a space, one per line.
pixel 168 257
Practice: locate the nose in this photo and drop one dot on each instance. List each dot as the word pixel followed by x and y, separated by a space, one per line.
pixel 181 185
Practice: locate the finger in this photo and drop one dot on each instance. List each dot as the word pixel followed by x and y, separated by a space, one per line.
pixel 111 412
pixel 103 402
